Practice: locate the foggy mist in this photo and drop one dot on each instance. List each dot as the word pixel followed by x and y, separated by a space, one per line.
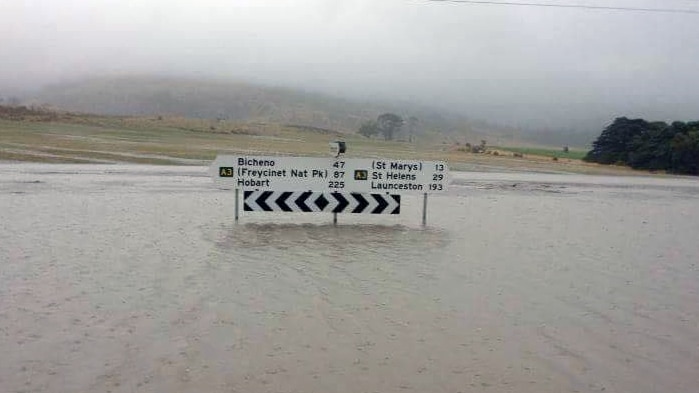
pixel 514 65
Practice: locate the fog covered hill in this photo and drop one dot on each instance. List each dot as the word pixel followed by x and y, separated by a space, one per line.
pixel 212 99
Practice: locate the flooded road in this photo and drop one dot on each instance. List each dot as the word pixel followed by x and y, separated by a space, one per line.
pixel 136 279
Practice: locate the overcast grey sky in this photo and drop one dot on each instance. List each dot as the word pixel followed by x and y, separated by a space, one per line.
pixel 517 65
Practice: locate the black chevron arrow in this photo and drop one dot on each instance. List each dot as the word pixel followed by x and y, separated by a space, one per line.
pixel 382 204
pixel 362 203
pixel 342 202
pixel 397 199
pixel 281 201
pixel 246 195
pixel 262 201
pixel 307 201
pixel 301 201
pixel 321 202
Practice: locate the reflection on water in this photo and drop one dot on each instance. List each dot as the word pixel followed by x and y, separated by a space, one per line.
pixel 343 238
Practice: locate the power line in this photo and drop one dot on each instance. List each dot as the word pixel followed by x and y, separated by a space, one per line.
pixel 665 1
pixel 582 6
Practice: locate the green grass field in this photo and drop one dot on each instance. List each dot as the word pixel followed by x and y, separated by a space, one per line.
pixel 574 154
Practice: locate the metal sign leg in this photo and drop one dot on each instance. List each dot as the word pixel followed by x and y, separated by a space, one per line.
pixel 335 219
pixel 424 210
pixel 236 205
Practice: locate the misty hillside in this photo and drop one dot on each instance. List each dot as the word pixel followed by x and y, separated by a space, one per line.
pixel 243 102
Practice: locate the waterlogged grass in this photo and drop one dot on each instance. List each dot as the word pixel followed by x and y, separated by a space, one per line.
pixel 574 154
pixel 173 141
pixel 152 140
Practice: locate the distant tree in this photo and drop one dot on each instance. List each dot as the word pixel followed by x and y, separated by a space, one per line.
pixel 369 128
pixel 645 145
pixel 651 148
pixel 614 144
pixel 685 151
pixel 14 101
pixel 412 127
pixel 389 124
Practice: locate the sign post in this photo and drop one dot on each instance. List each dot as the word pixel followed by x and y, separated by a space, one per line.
pixel 424 209
pixel 236 205
pixel 328 184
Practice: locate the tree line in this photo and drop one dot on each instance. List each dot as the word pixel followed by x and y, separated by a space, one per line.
pixel 649 145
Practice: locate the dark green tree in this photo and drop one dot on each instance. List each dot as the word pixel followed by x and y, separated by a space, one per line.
pixel 369 128
pixel 614 144
pixel 685 152
pixel 389 124
pixel 651 148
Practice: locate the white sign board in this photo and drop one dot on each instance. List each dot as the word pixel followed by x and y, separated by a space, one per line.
pixel 330 174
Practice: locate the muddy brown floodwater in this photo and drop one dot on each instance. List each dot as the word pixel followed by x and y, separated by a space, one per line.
pixel 136 279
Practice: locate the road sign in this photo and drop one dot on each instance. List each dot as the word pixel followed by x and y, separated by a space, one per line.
pixel 329 202
pixel 359 175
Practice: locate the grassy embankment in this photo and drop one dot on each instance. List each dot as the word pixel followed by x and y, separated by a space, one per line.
pixel 72 138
